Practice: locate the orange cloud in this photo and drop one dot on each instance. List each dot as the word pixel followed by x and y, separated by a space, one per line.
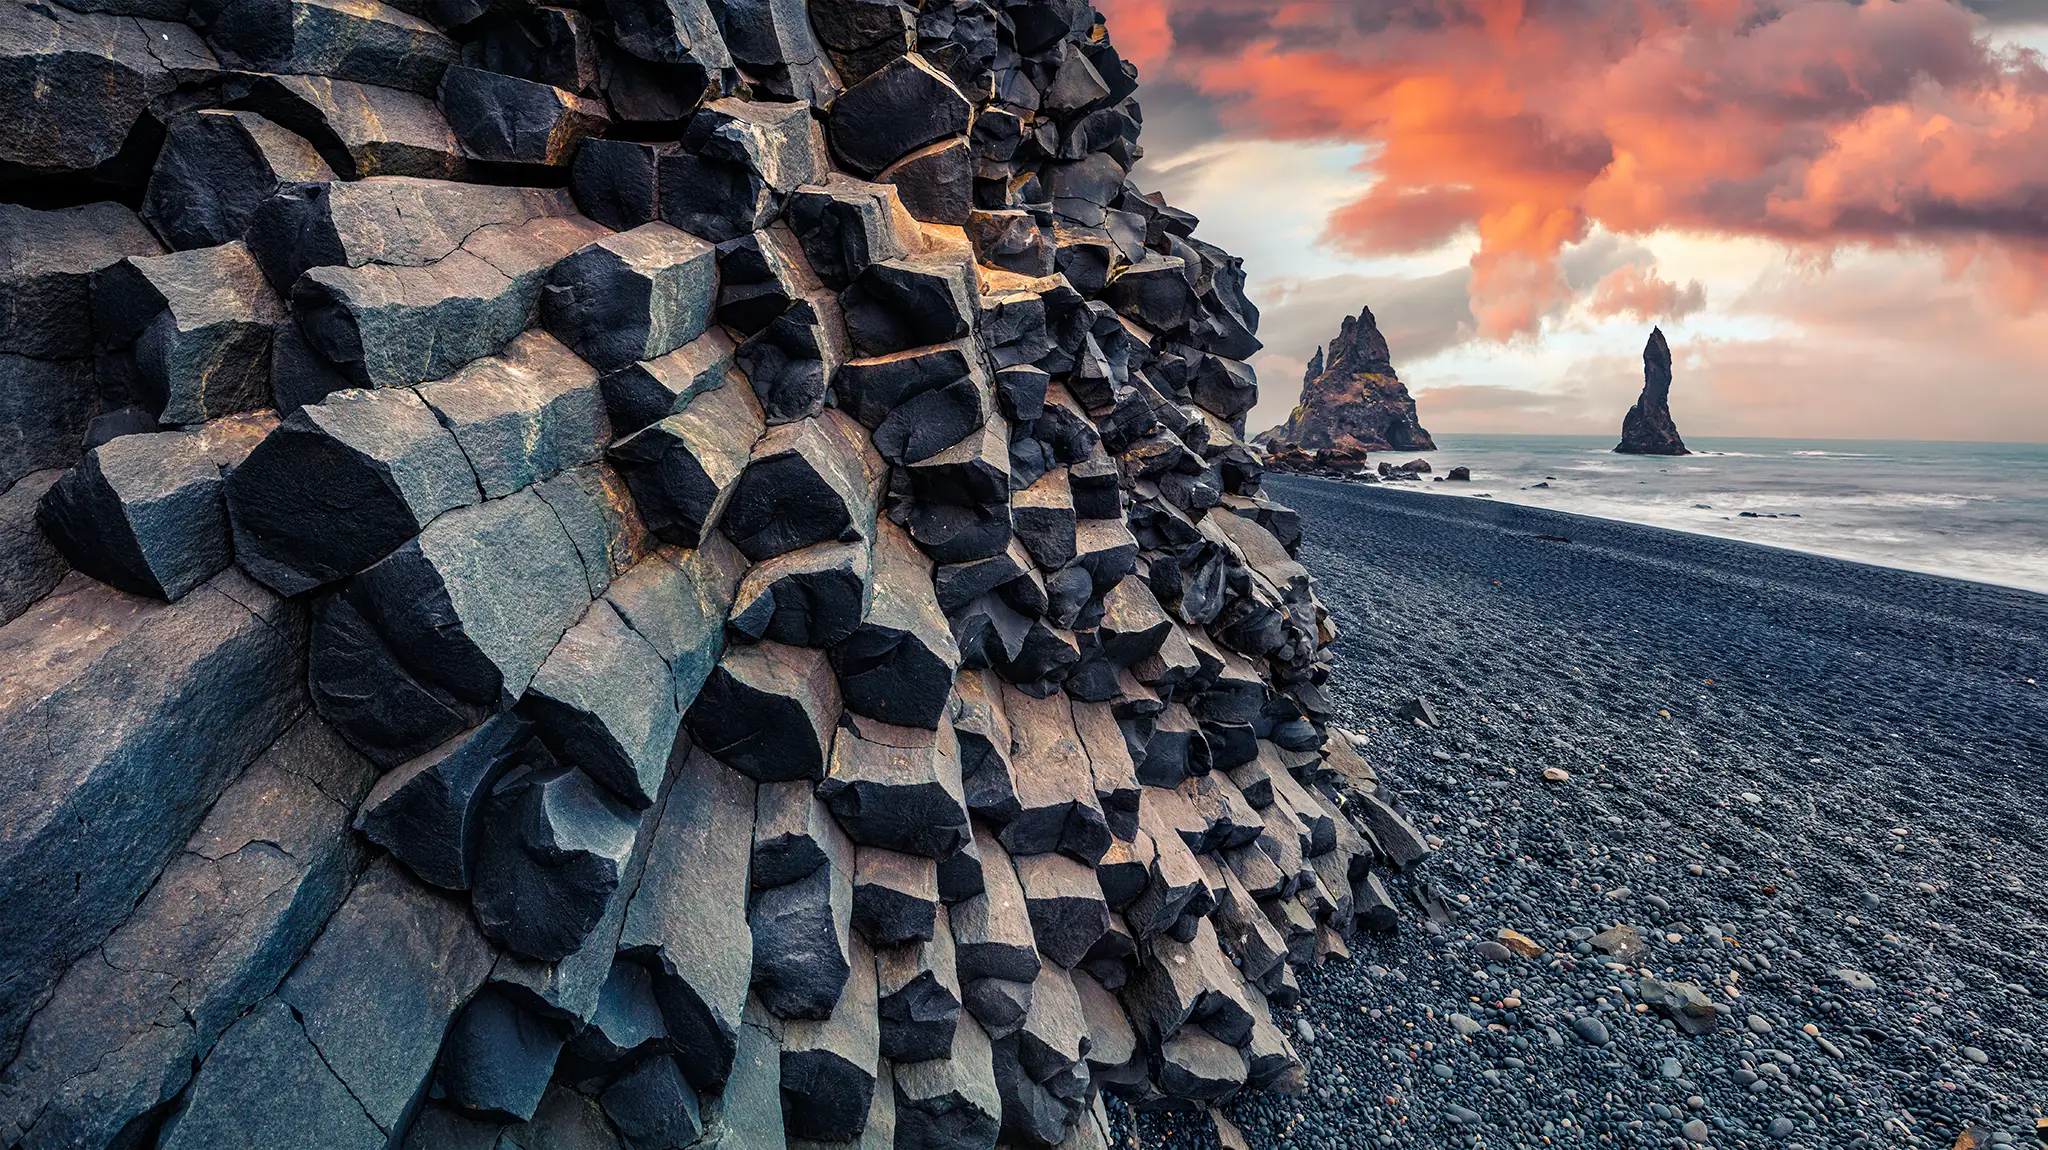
pixel 1820 123
pixel 1143 35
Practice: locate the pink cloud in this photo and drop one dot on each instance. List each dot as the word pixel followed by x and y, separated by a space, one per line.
pixel 1644 295
pixel 1819 123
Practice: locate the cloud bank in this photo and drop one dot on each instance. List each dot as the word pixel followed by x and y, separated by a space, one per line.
pixel 1532 125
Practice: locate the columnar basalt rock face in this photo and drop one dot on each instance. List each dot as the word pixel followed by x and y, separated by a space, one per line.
pixel 779 641
pixel 1648 428
pixel 1353 400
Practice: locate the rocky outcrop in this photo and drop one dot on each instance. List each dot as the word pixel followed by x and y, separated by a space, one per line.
pixel 752 622
pixel 1354 400
pixel 1648 428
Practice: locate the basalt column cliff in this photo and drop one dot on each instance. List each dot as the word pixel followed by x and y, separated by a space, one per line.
pixel 640 575
pixel 1355 401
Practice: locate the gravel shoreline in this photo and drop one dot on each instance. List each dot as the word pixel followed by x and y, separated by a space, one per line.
pixel 1814 789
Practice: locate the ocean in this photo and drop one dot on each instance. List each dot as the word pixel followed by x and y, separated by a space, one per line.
pixel 1975 511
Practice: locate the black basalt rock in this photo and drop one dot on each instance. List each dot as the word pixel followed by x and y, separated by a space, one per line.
pixel 215 167
pixel 552 851
pixel 507 120
pixel 888 115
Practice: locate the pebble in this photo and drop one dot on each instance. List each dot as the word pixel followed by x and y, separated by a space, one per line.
pixel 1695 1131
pixel 1758 1023
pixel 1465 1024
pixel 1669 1069
pixel 1856 979
pixel 1977 1056
pixel 1518 942
pixel 1492 951
pixel 1556 774
pixel 1591 1029
pixel 1782 1127
pixel 1302 1028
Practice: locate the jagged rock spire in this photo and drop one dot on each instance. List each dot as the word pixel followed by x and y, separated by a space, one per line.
pixel 1353 398
pixel 1359 346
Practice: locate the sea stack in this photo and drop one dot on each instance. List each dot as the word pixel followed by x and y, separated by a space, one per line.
pixel 1355 400
pixel 1648 428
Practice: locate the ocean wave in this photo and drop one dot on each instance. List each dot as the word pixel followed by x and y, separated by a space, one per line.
pixel 1815 501
pixel 1930 550
pixel 1840 454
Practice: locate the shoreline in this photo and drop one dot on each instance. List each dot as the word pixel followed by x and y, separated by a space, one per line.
pixel 1425 490
pixel 1807 786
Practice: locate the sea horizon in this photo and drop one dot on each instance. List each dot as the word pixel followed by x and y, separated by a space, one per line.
pixel 1955 508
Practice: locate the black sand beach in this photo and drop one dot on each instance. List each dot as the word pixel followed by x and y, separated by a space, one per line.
pixel 1816 790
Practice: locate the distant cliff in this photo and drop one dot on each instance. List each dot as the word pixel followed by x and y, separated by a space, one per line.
pixel 1355 400
pixel 1648 428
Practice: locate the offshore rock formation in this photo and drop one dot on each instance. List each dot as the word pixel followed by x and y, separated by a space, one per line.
pixel 638 576
pixel 1648 428
pixel 1355 401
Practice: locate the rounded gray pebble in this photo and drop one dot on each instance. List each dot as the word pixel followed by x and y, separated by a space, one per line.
pixel 1591 1029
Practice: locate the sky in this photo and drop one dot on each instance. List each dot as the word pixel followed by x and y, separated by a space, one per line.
pixel 1836 210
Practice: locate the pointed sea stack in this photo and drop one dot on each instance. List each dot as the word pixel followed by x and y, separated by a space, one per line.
pixel 1355 401
pixel 1648 428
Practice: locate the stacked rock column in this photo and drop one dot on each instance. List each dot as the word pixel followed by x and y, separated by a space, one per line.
pixel 655 575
